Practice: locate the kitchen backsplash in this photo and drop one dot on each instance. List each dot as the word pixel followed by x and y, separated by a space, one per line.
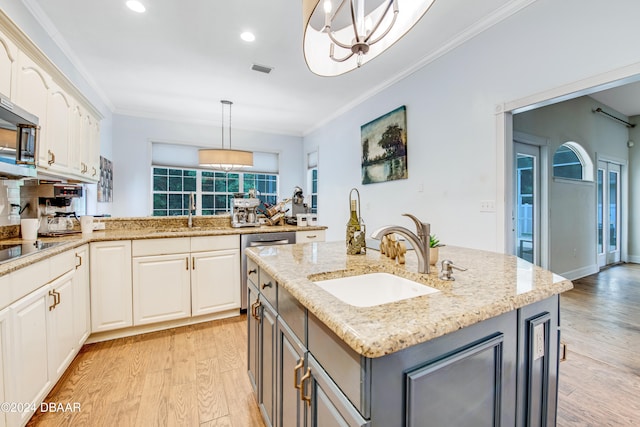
pixel 9 194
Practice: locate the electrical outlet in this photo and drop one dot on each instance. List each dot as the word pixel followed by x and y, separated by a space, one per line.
pixel 538 341
pixel 487 205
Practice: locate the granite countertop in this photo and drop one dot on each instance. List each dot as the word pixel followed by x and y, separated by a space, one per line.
pixel 128 230
pixel 492 285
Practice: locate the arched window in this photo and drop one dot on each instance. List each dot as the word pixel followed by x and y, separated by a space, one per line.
pixel 571 161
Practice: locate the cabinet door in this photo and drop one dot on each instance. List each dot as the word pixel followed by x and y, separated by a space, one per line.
pixel 8 58
pixel 267 354
pixel 81 296
pixel 77 121
pixel 215 281
pixel 30 364
pixel 253 335
pixel 32 92
pixel 5 340
pixel 53 152
pixel 289 370
pixel 111 290
pixel 93 159
pixel 161 288
pixel 60 322
pixel 327 405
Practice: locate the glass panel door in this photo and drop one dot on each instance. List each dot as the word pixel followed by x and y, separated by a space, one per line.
pixel 526 204
pixel 608 194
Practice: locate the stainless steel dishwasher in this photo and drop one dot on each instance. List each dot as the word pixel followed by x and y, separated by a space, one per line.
pixel 259 239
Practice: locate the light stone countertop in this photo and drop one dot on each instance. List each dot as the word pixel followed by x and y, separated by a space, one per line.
pixel 154 230
pixel 492 285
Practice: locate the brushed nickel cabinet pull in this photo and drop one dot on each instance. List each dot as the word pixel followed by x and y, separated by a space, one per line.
pixel 94 171
pixel 267 285
pixel 295 373
pixel 304 397
pixel 252 271
pixel 312 237
pixel 79 261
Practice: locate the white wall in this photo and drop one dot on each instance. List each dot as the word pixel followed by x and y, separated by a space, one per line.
pixel 634 191
pixel 572 205
pixel 451 106
pixel 132 156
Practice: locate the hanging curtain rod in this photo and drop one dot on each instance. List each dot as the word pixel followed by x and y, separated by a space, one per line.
pixel 601 111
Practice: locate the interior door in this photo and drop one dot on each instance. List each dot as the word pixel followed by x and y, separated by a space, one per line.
pixel 526 209
pixel 608 215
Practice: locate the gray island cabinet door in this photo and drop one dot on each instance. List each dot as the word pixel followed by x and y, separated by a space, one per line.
pixel 328 407
pixel 289 371
pixel 475 399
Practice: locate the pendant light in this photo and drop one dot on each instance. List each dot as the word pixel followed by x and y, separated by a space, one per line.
pixel 225 159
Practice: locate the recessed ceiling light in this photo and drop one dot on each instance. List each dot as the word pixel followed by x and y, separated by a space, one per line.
pixel 247 36
pixel 136 6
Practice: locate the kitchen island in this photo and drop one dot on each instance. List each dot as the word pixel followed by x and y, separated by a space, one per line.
pixel 481 351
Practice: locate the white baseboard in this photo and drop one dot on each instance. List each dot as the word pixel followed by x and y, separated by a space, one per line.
pixel 581 272
pixel 633 258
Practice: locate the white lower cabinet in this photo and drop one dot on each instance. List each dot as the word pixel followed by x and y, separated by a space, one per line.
pixel 62 344
pixel 5 340
pixel 111 288
pixel 215 281
pixel 81 296
pixel 30 360
pixel 161 288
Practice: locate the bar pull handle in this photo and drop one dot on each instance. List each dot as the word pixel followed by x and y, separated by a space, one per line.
pixel 52 306
pixel 186 263
pixel 295 373
pixel 193 263
pixel 79 264
pixel 563 351
pixel 304 397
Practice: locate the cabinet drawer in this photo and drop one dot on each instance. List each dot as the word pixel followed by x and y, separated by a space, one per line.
pixel 293 314
pixel 214 243
pixel 310 236
pixel 147 247
pixel 252 272
pixel 62 263
pixel 268 287
pixel 28 279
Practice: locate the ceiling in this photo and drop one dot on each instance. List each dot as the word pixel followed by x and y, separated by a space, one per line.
pixel 180 58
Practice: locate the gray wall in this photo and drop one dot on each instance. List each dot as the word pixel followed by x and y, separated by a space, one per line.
pixel 572 205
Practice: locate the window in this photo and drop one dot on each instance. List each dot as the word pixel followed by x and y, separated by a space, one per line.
pixel 571 161
pixel 214 190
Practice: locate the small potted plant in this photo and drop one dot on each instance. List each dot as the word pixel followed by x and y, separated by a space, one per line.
pixel 434 244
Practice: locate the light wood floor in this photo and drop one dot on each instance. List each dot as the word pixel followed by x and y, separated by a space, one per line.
pixel 190 376
pixel 196 375
pixel 600 321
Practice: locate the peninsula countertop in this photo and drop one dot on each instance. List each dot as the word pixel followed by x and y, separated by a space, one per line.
pixel 492 285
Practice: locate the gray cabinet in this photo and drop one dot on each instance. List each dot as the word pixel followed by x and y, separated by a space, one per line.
pixel 499 372
pixel 291 356
pixel 261 358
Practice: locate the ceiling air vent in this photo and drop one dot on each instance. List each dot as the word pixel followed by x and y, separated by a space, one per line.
pixel 261 68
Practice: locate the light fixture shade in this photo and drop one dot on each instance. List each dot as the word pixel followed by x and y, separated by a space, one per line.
pixel 319 47
pixel 222 158
pixel 226 160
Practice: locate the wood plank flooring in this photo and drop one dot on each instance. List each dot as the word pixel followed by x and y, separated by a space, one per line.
pixel 196 375
pixel 190 376
pixel 600 321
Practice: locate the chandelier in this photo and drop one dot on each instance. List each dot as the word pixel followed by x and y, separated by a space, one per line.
pixel 225 159
pixel 344 34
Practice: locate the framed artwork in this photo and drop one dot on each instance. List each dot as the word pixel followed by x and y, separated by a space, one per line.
pixel 105 185
pixel 384 147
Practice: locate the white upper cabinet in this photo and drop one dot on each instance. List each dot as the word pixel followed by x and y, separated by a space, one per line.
pixel 69 142
pixel 54 152
pixel 32 91
pixel 8 65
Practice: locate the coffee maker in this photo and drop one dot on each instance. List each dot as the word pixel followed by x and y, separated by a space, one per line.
pixel 53 204
pixel 243 210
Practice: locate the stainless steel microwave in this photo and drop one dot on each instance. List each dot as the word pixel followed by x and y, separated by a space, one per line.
pixel 19 133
